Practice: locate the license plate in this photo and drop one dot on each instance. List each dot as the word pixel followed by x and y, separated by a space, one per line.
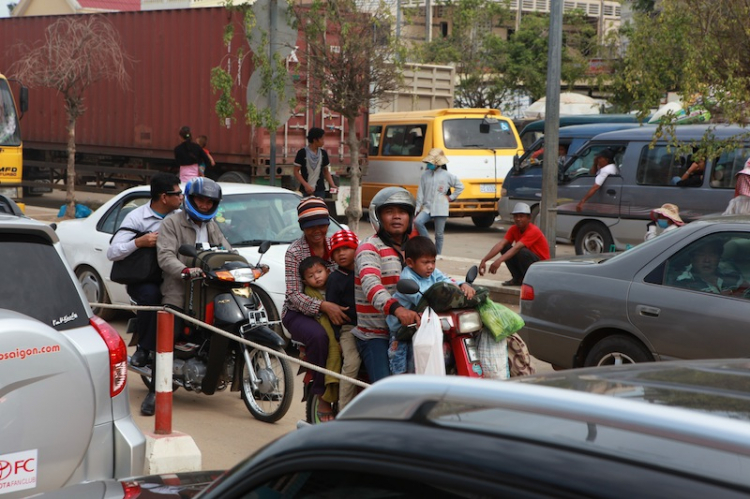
pixel 487 188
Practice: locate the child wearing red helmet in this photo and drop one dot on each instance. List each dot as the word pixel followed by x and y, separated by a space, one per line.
pixel 340 290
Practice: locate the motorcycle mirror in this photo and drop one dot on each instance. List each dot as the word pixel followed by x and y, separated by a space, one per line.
pixel 264 246
pixel 188 250
pixel 471 275
pixel 407 286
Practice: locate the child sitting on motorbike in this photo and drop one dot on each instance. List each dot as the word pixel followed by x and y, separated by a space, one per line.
pixel 340 290
pixel 420 253
pixel 314 273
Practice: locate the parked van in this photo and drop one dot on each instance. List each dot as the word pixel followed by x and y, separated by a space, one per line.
pixel 535 130
pixel 524 182
pixel 480 145
pixel 617 215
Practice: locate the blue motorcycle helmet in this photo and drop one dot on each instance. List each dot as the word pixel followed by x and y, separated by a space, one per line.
pixel 202 186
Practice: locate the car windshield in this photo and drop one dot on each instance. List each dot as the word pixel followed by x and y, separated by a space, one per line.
pixel 464 134
pixel 249 219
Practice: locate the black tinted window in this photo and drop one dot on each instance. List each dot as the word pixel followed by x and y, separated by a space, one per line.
pixel 114 217
pixel 36 283
pixel 404 140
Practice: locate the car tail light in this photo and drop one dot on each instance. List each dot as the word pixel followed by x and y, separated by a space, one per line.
pixel 118 355
pixel 130 490
pixel 527 292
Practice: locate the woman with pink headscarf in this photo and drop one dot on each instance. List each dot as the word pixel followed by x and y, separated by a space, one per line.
pixel 740 204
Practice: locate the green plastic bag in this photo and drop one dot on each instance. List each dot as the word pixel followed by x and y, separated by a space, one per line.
pixel 500 320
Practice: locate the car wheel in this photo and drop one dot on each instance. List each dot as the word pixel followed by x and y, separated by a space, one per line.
pixel 483 221
pixel 617 350
pixel 235 177
pixel 273 314
pixel 593 238
pixel 93 288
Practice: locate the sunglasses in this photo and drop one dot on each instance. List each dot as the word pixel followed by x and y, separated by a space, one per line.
pixel 173 193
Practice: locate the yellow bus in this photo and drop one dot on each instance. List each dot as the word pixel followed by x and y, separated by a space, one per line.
pixel 480 145
pixel 11 147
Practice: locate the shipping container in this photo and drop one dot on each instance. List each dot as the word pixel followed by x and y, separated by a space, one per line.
pixel 172 53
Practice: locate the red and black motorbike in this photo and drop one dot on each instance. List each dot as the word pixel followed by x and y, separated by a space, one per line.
pixel 207 362
pixel 461 327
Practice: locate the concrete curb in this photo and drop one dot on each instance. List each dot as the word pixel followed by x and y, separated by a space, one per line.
pixel 173 453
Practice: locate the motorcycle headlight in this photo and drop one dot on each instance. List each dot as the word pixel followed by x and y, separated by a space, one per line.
pixel 236 275
pixel 469 322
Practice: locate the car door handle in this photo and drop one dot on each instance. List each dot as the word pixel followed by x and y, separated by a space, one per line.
pixel 611 192
pixel 648 311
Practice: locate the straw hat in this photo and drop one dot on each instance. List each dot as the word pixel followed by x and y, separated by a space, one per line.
pixel 670 211
pixel 436 157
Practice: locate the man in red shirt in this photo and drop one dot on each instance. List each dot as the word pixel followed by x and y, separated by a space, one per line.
pixel 523 245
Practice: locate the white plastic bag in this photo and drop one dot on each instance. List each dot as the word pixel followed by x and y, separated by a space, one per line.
pixel 493 355
pixel 428 345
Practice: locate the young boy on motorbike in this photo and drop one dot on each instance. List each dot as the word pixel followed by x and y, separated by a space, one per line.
pixel 340 290
pixel 314 273
pixel 420 253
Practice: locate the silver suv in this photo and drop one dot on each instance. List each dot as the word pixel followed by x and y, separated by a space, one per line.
pixel 64 410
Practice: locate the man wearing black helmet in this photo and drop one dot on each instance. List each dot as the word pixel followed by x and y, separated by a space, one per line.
pixel 377 268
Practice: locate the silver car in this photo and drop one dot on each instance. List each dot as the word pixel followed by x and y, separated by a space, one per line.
pixel 682 295
pixel 64 410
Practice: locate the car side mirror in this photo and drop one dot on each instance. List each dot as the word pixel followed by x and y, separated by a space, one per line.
pixel 472 274
pixel 264 246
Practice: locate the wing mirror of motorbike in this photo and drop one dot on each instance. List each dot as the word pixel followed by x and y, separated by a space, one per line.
pixel 407 286
pixel 264 246
pixel 188 250
pixel 471 275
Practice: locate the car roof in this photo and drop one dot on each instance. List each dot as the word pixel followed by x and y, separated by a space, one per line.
pixel 230 188
pixel 681 132
pixel 566 121
pixel 13 223
pixel 592 130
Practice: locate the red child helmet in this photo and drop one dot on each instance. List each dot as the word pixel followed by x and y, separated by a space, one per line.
pixel 344 238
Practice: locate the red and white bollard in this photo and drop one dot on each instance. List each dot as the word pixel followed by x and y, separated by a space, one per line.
pixel 163 372
pixel 167 451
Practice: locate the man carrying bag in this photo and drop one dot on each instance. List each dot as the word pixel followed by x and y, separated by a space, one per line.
pixel 131 248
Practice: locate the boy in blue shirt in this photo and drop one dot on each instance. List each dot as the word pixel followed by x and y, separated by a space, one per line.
pixel 420 253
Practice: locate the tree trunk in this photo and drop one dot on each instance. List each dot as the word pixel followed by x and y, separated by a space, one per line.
pixel 70 193
pixel 354 207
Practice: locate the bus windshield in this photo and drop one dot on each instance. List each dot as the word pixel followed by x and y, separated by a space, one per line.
pixel 463 133
pixel 10 134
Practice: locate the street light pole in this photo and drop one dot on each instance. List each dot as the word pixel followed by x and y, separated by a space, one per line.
pixel 552 125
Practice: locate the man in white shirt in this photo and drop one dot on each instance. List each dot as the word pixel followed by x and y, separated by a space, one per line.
pixel 166 198
pixel 604 166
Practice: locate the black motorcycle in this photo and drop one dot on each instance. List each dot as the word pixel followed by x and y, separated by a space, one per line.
pixel 207 362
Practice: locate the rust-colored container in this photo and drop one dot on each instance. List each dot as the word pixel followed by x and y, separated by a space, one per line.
pixel 172 52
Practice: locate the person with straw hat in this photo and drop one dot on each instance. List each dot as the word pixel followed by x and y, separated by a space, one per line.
pixel 434 195
pixel 664 219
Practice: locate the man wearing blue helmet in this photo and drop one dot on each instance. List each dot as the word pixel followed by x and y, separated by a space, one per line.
pixel 194 225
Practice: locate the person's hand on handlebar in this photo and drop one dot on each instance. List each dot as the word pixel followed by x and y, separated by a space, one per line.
pixel 407 317
pixel 336 313
pixel 192 273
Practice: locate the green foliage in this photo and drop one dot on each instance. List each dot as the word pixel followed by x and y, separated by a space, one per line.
pixel 697 48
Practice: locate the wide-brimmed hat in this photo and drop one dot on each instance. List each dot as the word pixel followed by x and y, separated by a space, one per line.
pixel 312 212
pixel 436 157
pixel 670 211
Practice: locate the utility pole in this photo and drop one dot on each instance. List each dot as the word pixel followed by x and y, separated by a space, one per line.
pixel 518 16
pixel 552 125
pixel 272 97
pixel 428 20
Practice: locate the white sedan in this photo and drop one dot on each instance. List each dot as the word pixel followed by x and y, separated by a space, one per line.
pixel 248 215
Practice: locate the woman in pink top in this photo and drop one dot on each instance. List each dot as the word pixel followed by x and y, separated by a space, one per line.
pixel 740 204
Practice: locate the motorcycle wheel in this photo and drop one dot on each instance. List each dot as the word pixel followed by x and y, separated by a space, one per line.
pixel 270 401
pixel 311 409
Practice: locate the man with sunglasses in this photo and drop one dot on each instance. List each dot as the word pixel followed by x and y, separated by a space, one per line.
pixel 166 198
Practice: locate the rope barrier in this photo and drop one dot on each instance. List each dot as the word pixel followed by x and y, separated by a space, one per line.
pixel 232 336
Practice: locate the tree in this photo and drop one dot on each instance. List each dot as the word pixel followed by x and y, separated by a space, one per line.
pixel 355 60
pixel 472 46
pixel 77 52
pixel 697 48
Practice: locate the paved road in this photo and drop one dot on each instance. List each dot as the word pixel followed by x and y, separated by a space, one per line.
pixel 223 429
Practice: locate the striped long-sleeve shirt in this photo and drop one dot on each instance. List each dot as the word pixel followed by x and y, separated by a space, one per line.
pixel 377 268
